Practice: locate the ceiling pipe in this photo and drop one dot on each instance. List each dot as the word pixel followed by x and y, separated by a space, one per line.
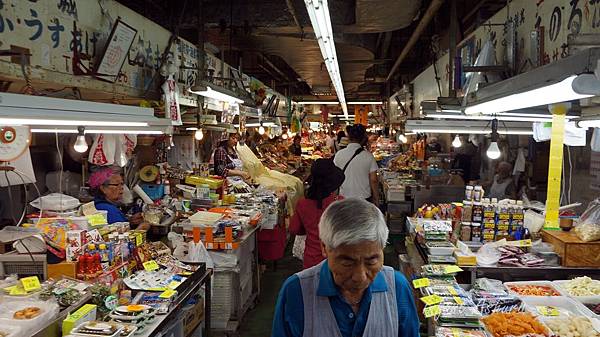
pixel 434 6
pixel 292 10
pixel 452 51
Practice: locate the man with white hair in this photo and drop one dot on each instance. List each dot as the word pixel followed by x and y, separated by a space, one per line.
pixel 351 293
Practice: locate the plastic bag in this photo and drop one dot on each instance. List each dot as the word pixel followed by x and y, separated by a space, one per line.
pixel 488 255
pixel 588 227
pixel 55 202
pixel 299 245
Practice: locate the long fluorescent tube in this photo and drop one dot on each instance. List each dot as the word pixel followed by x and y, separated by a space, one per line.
pixel 265 124
pixel 212 93
pixel 364 103
pixel 97 131
pixel 502 117
pixel 66 122
pixel 468 131
pixel 318 11
pixel 319 103
pixel 554 93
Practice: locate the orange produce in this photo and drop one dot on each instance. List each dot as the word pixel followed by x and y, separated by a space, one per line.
pixel 513 324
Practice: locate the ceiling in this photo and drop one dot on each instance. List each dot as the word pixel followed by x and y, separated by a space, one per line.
pixel 273 41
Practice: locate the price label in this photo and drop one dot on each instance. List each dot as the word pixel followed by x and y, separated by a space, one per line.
pixel 31 283
pixel 156 289
pixel 432 311
pixel 523 243
pixel 173 284
pixel 458 300
pixel 547 310
pixel 421 283
pixel 431 300
pixel 96 219
pixel 151 265
pixel 452 269
pixel 456 332
pixel 139 239
pixel 16 290
pixel 452 291
pixel 168 293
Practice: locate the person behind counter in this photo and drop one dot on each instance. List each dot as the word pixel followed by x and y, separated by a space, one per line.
pixel 503 186
pixel 225 158
pixel 351 293
pixel 296 148
pixel 106 185
pixel 325 179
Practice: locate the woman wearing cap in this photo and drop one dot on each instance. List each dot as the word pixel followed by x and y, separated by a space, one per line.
pixel 107 187
pixel 225 158
pixel 324 180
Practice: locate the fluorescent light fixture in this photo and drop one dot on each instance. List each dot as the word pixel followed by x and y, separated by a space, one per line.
pixel 319 103
pixel 567 79
pixel 502 117
pixel 193 128
pixel 562 91
pixel 318 11
pixel 364 103
pixel 220 94
pixel 466 127
pixel 58 122
pixel 586 124
pixel 19 109
pixel 265 124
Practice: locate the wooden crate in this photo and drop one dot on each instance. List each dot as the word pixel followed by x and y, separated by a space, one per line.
pixel 573 251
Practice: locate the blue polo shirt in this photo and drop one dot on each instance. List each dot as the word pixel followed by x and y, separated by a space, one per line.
pixel 114 213
pixel 288 320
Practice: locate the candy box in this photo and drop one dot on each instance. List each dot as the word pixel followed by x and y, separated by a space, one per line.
pixel 76 239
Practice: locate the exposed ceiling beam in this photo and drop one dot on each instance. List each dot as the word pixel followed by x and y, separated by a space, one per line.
pixel 292 10
pixel 434 6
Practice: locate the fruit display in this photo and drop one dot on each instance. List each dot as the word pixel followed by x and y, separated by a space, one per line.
pixel 514 324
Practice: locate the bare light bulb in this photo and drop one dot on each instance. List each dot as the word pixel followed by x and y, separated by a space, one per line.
pixel 456 142
pixel 80 143
pixel 284 136
pixel 403 138
pixel 199 135
pixel 261 130
pixel 493 152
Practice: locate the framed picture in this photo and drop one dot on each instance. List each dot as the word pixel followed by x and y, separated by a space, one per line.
pixel 115 52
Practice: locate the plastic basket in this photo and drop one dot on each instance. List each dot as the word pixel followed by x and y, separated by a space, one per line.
pixel 154 191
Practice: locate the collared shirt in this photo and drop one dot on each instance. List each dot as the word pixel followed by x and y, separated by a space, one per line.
pixel 114 213
pixel 357 183
pixel 288 320
pixel 223 161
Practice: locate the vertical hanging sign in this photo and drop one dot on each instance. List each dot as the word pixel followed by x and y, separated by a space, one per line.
pixel 555 164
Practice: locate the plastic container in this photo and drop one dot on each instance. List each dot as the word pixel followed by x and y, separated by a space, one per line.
pixel 436 249
pixel 566 306
pixel 48 310
pixel 154 191
pixel 549 284
pixel 559 285
pixel 8 329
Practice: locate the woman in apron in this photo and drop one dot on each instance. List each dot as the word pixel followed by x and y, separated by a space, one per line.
pixel 226 161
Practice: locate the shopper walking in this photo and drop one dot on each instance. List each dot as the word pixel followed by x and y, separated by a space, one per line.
pixel 325 179
pixel 359 166
pixel 350 293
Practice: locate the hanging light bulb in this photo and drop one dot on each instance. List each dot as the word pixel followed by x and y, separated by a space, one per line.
pixel 393 131
pixel 199 135
pixel 284 136
pixel 80 144
pixel 261 129
pixel 456 142
pixel 172 143
pixel 403 138
pixel 289 134
pixel 493 151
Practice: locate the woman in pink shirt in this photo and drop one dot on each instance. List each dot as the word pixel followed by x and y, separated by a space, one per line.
pixel 324 181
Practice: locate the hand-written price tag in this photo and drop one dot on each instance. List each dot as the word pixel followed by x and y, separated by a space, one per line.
pixel 458 300
pixel 452 291
pixel 547 310
pixel 431 299
pixel 31 283
pixel 96 219
pixel 452 269
pixel 167 293
pixel 151 265
pixel 420 283
pixel 523 243
pixel 432 311
pixel 16 290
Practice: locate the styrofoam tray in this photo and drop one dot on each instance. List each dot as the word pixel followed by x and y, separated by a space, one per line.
pixel 565 305
pixel 202 218
pixel 583 299
pixel 532 283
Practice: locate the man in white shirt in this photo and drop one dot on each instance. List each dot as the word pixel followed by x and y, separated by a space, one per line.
pixel 359 166
pixel 330 142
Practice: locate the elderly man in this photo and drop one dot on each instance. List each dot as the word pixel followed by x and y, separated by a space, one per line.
pixel 351 293
pixel 503 186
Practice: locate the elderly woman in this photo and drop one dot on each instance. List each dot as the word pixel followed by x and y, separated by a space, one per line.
pixel 106 185
pixel 350 293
